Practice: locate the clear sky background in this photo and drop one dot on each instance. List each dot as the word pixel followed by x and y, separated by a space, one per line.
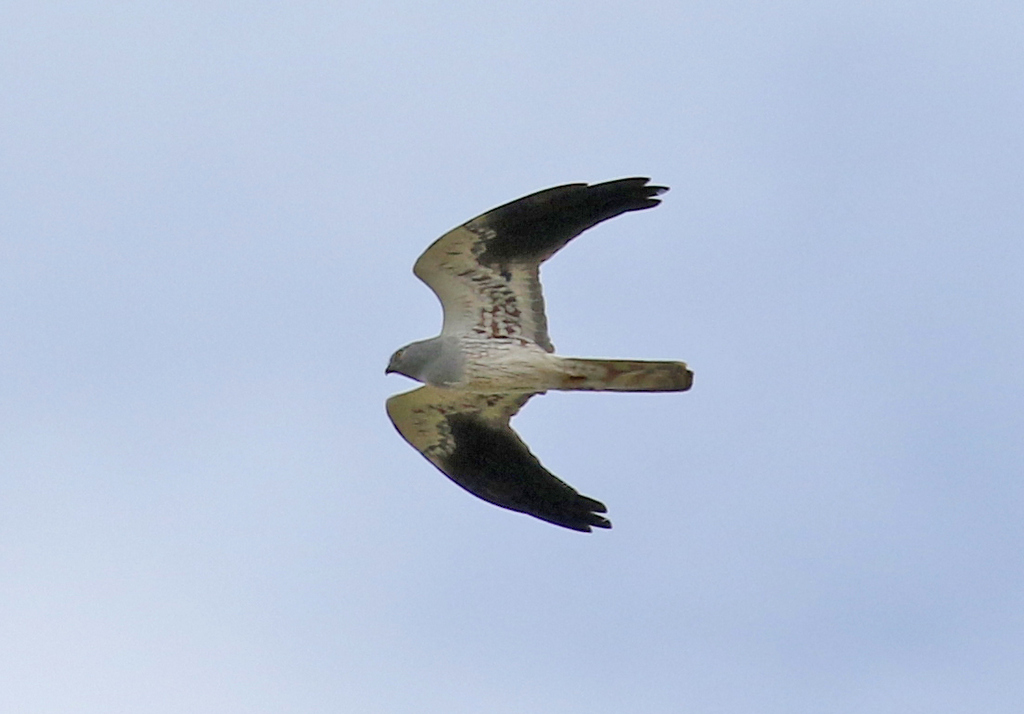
pixel 209 212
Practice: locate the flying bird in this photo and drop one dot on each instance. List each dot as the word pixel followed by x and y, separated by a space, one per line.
pixel 494 352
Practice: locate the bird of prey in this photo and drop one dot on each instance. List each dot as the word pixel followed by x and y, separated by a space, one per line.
pixel 494 353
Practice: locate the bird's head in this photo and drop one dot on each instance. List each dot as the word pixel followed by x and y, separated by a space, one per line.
pixel 395 364
pixel 426 361
pixel 413 360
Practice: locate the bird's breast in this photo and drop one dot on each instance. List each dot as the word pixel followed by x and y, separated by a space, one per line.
pixel 506 365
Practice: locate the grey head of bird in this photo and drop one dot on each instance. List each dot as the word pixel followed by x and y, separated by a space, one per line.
pixel 434 361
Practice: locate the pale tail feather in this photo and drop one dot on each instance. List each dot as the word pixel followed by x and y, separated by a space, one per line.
pixel 620 375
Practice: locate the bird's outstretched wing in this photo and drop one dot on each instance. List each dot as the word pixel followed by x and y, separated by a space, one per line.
pixel 468 437
pixel 486 271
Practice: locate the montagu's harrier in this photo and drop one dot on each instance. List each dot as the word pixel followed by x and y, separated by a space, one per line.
pixel 493 352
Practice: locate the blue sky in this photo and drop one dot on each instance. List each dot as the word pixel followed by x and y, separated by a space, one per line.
pixel 210 212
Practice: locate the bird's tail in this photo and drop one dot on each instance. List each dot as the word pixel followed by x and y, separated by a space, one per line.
pixel 620 375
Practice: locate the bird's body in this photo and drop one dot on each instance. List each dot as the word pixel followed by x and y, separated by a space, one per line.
pixel 507 365
pixel 494 352
pixel 483 366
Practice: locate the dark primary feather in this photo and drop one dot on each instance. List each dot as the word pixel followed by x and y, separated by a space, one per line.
pixel 494 464
pixel 534 227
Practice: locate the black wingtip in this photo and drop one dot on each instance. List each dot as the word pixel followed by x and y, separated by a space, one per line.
pixel 640 184
pixel 593 509
pixel 632 194
pixel 592 521
pixel 600 522
pixel 586 516
pixel 535 227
